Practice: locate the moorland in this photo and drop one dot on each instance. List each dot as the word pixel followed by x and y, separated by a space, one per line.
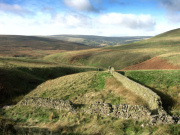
pixel 43 67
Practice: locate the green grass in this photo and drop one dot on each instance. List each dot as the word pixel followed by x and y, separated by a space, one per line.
pixel 116 58
pixel 86 88
pixel 163 82
pixel 21 75
pixel 81 123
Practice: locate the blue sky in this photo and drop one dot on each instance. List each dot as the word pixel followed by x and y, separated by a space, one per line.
pixel 89 17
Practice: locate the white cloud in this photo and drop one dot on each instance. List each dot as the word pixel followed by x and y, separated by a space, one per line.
pixel 128 20
pixel 73 23
pixel 72 20
pixel 14 9
pixel 80 5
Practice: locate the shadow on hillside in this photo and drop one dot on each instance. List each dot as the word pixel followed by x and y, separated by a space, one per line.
pixel 15 83
pixel 167 101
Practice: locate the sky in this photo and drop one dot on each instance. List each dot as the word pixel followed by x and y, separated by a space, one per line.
pixel 89 17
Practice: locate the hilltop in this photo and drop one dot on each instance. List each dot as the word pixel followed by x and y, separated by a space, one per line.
pixel 98 41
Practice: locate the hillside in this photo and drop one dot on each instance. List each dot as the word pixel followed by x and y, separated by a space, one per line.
pixel 31 46
pixel 98 41
pixel 81 89
pixel 19 76
pixel 166 48
pixel 75 80
pixel 84 90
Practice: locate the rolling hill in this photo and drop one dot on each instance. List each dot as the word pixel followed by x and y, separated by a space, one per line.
pixel 19 76
pixel 98 41
pixel 32 46
pixel 163 46
pixel 58 77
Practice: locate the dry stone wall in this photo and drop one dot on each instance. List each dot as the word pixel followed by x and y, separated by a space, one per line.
pixel 136 112
pixel 119 111
pixel 48 103
pixel 153 100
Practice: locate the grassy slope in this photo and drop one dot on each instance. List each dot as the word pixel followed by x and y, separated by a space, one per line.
pixel 34 46
pixel 164 45
pixel 164 82
pixel 101 58
pixel 88 124
pixel 18 76
pixel 84 88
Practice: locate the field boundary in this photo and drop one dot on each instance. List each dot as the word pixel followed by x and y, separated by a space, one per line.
pixel 153 100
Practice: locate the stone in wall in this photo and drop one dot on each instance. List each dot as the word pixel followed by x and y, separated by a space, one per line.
pixel 128 111
pixel 162 119
pixel 48 103
pixel 100 108
pixel 119 111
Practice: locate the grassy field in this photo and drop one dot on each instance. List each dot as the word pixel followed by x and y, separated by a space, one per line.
pixel 164 82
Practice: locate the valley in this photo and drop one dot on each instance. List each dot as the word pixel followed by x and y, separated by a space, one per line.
pixel 35 69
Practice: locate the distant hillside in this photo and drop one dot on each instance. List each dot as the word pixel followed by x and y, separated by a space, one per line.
pixel 11 45
pixel 98 41
pixel 163 46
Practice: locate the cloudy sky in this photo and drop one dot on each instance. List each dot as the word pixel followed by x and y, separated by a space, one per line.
pixel 89 17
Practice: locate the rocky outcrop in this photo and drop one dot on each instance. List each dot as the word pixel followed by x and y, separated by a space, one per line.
pixel 48 103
